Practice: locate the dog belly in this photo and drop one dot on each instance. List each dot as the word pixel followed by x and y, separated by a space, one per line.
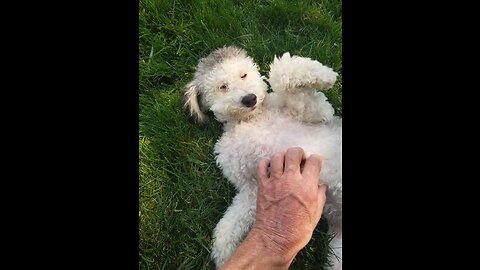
pixel 240 148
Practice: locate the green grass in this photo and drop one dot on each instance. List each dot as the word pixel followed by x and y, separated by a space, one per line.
pixel 182 192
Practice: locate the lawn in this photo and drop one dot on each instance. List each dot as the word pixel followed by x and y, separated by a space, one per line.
pixel 182 192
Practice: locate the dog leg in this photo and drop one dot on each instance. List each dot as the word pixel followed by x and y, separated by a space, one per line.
pixel 333 213
pixel 295 81
pixel 234 225
pixel 309 107
pixel 336 245
pixel 296 74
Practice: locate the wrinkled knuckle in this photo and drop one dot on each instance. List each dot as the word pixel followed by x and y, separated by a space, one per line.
pixel 277 174
pixel 262 187
pixel 291 170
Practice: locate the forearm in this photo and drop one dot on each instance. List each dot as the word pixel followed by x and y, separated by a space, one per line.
pixel 257 252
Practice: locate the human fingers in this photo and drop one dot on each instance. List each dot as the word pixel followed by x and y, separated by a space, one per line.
pixel 313 166
pixel 322 194
pixel 277 164
pixel 321 199
pixel 293 158
pixel 262 169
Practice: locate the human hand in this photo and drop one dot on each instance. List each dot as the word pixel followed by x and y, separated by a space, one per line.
pixel 289 202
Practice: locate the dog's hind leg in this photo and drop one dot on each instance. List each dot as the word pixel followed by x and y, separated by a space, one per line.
pixel 336 245
pixel 333 213
pixel 234 225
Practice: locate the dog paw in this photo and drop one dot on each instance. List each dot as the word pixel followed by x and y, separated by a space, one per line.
pixel 221 252
pixel 294 73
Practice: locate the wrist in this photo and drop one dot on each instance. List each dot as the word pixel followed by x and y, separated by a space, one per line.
pixel 258 252
pixel 279 255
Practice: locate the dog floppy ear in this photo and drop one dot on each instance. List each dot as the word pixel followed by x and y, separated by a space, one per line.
pixel 192 103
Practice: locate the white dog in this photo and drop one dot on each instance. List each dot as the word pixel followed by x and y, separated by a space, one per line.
pixel 258 124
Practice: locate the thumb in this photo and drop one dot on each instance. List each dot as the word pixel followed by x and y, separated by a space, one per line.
pixel 322 194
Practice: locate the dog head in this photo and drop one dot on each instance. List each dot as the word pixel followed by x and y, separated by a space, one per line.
pixel 228 83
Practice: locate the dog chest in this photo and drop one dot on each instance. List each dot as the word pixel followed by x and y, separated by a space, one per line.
pixel 238 151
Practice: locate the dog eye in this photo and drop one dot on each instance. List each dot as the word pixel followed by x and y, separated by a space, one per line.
pixel 243 76
pixel 223 87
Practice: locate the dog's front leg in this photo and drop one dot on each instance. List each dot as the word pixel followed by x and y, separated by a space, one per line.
pixel 234 225
pixel 296 82
pixel 296 74
pixel 309 107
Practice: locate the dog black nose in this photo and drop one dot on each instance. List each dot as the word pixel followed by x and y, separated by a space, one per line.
pixel 249 100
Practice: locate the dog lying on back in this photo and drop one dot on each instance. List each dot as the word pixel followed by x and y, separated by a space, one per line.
pixel 258 124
